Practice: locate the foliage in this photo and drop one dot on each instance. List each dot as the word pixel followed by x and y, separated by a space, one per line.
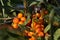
pixel 44 13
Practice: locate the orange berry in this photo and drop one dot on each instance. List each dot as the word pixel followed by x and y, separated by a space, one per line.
pixel 15 26
pixel 30 33
pixel 26 31
pixel 40 18
pixel 46 12
pixel 20 22
pixel 23 19
pixel 33 24
pixel 41 34
pixel 38 15
pixel 37 26
pixel 42 29
pixel 37 30
pixel 20 15
pixel 32 38
pixel 42 26
pixel 33 15
pixel 15 20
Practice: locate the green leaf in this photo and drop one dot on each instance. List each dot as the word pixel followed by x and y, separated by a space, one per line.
pixel 40 0
pixel 23 27
pixel 57 34
pixel 33 3
pixel 13 34
pixel 11 38
pixel 47 28
pixel 14 13
pixel 28 18
pixel 51 16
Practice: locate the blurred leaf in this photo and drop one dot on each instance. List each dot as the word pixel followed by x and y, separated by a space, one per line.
pixel 57 34
pixel 40 1
pixel 14 13
pixel 22 11
pixel 23 27
pixel 3 34
pixel 13 34
pixel 28 18
pixel 49 7
pixel 12 38
pixel 56 18
pixel 47 28
pixel 33 3
pixel 51 16
pixel 9 3
pixel 57 10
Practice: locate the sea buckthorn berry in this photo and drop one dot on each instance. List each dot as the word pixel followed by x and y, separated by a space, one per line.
pixel 23 19
pixel 42 29
pixel 40 18
pixel 41 34
pixel 42 26
pixel 30 33
pixel 32 38
pixel 15 26
pixel 37 26
pixel 46 12
pixel 33 24
pixel 15 20
pixel 38 15
pixel 37 30
pixel 26 31
pixel 20 15
pixel 33 16
pixel 20 22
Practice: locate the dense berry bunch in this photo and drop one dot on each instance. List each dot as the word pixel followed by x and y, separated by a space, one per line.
pixel 37 27
pixel 35 24
pixel 20 19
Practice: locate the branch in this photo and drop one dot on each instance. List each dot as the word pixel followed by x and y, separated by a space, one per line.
pixel 5 18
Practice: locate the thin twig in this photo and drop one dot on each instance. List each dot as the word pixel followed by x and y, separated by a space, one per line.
pixel 25 6
pixel 5 18
pixel 57 2
pixel 3 10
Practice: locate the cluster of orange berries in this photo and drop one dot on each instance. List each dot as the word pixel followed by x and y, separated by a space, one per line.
pixel 19 19
pixel 36 26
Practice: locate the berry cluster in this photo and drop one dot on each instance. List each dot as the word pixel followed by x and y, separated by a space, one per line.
pixel 35 24
pixel 20 19
pixel 37 27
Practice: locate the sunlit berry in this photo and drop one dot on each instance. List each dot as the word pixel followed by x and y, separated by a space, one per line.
pixel 15 26
pixel 20 15
pixel 15 20
pixel 23 19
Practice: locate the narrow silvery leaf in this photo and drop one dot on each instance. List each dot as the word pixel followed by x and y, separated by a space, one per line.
pixel 47 28
pixel 56 34
pixel 33 3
